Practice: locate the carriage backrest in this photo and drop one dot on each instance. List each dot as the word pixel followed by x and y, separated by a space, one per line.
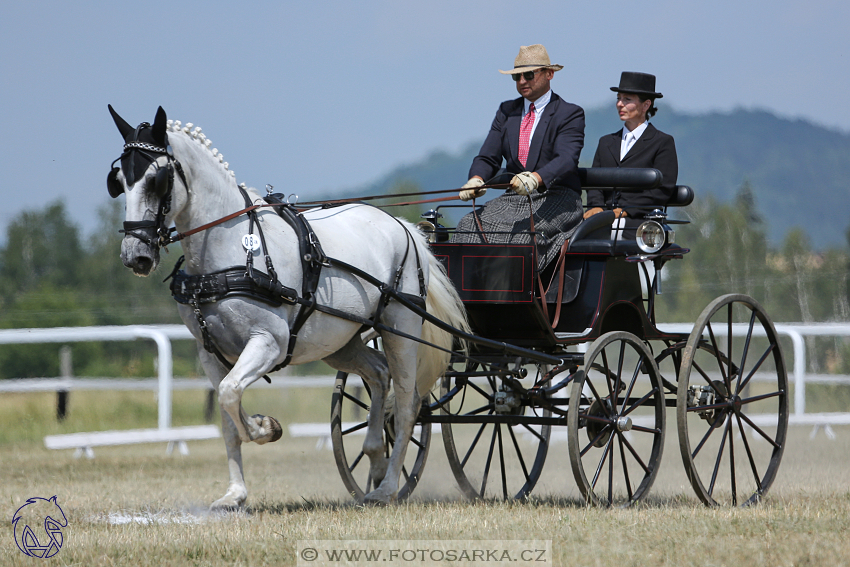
pixel 631 179
pixel 628 179
pixel 683 197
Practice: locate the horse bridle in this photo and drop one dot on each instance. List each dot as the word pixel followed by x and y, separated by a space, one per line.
pixel 163 187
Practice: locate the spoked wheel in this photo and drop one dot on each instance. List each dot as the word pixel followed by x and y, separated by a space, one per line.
pixel 616 421
pixel 349 413
pixel 732 407
pixel 492 450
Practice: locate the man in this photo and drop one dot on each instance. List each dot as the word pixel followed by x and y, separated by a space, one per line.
pixel 539 136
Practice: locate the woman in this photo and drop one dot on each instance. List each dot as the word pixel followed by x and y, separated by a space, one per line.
pixel 638 144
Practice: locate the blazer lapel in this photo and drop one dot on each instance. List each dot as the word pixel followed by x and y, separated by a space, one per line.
pixel 641 144
pixel 512 129
pixel 540 133
pixel 612 143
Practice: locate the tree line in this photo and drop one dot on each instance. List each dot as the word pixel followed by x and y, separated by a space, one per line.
pixel 51 276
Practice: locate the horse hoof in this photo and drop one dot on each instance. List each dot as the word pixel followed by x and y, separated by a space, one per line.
pixel 378 498
pixel 277 430
pixel 217 508
pixel 271 426
pixel 229 503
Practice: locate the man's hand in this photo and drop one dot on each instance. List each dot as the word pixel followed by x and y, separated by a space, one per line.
pixel 524 183
pixel 469 189
pixel 590 212
pixel 620 213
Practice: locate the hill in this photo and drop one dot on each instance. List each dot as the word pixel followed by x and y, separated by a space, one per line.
pixel 797 170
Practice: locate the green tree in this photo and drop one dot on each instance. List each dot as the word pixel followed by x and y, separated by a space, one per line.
pixel 48 278
pixel 728 254
pixel 42 247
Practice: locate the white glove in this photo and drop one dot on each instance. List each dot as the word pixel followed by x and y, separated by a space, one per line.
pixel 524 183
pixel 469 189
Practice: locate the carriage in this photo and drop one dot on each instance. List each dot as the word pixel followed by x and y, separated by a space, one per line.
pixel 595 366
pixel 520 356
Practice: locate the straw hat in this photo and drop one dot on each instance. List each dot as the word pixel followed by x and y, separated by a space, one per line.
pixel 531 58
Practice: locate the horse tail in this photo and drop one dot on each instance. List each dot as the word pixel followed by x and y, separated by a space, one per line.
pixel 443 302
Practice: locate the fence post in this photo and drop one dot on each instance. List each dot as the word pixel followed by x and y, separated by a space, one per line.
pixel 209 410
pixel 67 371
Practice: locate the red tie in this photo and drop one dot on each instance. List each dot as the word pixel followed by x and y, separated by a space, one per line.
pixel 525 134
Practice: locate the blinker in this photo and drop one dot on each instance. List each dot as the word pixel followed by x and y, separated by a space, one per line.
pixel 163 180
pixel 112 184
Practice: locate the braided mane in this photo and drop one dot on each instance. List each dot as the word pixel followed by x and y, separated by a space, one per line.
pixel 195 133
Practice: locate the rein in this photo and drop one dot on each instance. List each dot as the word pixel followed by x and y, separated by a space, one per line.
pixel 396 195
pixel 337 202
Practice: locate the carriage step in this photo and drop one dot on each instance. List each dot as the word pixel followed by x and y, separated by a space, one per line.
pixel 174 436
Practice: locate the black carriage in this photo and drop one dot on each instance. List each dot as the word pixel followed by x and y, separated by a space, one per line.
pixel 579 349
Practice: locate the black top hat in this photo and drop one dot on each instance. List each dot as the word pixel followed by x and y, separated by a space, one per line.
pixel 638 83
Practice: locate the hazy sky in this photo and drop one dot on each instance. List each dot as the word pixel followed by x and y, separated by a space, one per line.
pixel 319 96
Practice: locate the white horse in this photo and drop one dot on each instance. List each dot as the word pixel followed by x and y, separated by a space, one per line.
pixel 253 337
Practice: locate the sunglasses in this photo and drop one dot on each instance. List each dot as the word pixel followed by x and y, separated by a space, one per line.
pixel 528 75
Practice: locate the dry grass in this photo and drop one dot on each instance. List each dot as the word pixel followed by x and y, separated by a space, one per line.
pixel 296 495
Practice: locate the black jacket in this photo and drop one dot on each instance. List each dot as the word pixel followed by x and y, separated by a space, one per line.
pixel 555 147
pixel 653 149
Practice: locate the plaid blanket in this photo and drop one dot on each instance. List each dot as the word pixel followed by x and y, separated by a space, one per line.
pixel 505 220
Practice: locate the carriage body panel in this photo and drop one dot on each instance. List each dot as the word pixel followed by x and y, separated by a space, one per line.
pixel 499 287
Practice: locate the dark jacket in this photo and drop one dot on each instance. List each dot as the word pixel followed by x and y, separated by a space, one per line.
pixel 555 147
pixel 653 149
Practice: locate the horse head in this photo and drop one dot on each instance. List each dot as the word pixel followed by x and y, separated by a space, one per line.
pixel 146 178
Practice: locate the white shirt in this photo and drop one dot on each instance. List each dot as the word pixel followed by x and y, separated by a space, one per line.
pixel 629 138
pixel 539 105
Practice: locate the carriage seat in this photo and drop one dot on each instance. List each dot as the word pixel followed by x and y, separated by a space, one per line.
pixel 593 235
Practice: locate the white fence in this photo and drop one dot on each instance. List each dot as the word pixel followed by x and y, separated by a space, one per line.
pixel 83 442
pixel 162 335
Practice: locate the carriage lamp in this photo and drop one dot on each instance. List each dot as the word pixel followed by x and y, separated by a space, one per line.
pixel 430 225
pixel 650 237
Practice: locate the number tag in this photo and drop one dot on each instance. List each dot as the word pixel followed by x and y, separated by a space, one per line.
pixel 251 242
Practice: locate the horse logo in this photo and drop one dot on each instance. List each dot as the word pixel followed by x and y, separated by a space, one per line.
pixel 39 512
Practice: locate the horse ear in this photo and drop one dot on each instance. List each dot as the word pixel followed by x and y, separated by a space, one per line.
pixel 159 126
pixel 123 127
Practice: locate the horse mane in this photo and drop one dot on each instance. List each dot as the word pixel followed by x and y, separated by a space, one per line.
pixel 195 133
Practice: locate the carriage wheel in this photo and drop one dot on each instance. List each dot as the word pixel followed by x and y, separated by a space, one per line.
pixel 349 412
pixel 732 407
pixel 616 421
pixel 497 461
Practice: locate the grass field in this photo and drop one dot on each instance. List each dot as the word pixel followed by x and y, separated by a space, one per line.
pixel 134 505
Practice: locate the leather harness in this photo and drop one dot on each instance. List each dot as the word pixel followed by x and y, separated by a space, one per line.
pixel 239 281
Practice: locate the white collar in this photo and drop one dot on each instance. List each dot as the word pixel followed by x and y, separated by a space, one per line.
pixel 539 104
pixel 637 132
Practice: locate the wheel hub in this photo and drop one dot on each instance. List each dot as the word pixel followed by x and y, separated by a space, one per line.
pixel 507 402
pixel 594 428
pixel 699 396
